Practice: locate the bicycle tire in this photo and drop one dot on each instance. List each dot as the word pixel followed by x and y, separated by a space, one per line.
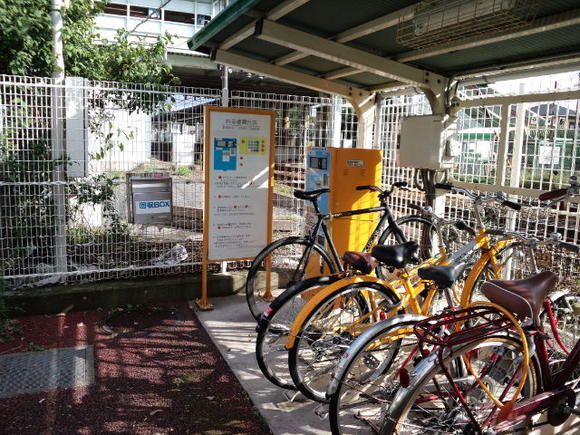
pixel 283 247
pixel 449 417
pixel 312 337
pixel 364 382
pixel 274 327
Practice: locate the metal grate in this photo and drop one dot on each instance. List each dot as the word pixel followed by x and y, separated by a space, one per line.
pixel 55 369
pixel 440 22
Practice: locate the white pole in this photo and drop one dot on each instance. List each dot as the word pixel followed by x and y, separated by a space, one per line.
pixel 225 103
pixel 57 138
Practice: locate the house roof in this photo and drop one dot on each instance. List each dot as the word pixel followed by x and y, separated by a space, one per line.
pixel 338 46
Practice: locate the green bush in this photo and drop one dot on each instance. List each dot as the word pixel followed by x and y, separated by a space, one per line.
pixel 184 171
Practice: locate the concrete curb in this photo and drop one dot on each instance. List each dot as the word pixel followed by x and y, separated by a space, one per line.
pixel 110 294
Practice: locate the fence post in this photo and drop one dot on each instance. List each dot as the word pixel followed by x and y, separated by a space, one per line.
pixel 225 103
pixel 57 139
pixel 335 121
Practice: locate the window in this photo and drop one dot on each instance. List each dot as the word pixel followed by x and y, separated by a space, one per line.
pixel 202 20
pixel 115 9
pixel 154 14
pixel 138 11
pixel 179 17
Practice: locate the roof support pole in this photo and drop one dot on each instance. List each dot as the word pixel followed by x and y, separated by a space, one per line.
pixel 364 107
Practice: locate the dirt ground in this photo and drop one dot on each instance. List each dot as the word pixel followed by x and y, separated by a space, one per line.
pixel 160 374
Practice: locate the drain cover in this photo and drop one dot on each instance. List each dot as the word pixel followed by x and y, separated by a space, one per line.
pixel 32 372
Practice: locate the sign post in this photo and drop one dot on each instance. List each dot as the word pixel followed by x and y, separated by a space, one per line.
pixel 239 181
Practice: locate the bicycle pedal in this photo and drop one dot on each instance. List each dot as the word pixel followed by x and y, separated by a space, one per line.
pixel 321 411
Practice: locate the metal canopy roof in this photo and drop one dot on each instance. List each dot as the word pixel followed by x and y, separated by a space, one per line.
pixel 345 46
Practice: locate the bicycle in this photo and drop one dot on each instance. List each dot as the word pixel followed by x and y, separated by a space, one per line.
pixel 533 383
pixel 480 398
pixel 283 262
pixel 274 325
pixel 322 325
pixel 364 383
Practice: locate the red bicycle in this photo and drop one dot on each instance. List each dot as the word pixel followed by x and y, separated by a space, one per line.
pixel 497 374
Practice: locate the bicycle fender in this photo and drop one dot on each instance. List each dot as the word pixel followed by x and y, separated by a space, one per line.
pixel 399 321
pixel 328 290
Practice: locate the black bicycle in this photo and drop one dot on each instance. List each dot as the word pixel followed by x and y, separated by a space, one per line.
pixel 289 258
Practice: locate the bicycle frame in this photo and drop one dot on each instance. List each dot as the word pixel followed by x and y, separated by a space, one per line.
pixel 409 297
pixel 320 224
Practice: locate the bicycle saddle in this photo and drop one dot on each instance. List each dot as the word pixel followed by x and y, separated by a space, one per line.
pixel 301 194
pixel 443 276
pixel 361 261
pixel 396 256
pixel 524 297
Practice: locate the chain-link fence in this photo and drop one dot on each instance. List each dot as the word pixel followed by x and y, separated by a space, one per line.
pixel 68 217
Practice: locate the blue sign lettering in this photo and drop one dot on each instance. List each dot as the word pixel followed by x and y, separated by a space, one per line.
pixel 154 204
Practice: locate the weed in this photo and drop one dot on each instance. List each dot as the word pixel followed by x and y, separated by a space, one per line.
pixel 184 171
pixel 32 347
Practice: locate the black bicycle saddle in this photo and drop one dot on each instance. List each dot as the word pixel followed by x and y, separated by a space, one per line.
pixel 396 256
pixel 301 194
pixel 443 276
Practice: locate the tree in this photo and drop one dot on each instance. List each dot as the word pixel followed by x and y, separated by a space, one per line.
pixel 26 45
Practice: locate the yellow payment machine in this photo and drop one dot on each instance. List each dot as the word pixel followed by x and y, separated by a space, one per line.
pixel 342 170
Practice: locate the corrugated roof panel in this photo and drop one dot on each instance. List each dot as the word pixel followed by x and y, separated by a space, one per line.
pixel 329 17
pixel 262 48
pixel 541 44
pixel 322 66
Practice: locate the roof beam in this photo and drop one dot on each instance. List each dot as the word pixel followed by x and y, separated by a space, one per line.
pixel 514 99
pixel 387 86
pixel 384 22
pixel 284 8
pixel 316 46
pixel 274 14
pixel 287 75
pixel 540 25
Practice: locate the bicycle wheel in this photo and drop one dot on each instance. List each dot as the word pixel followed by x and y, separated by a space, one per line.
pixel 369 380
pixel 274 328
pixel 430 405
pixel 567 330
pixel 329 329
pixel 287 259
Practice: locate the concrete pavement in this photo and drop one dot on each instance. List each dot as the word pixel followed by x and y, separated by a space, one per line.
pixel 232 328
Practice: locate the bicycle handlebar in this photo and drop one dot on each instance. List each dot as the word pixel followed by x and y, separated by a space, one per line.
pixel 552 239
pixel 512 205
pixel 378 189
pixel 498 197
pixel 561 194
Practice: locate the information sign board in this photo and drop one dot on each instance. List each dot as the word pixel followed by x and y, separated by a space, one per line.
pixel 239 160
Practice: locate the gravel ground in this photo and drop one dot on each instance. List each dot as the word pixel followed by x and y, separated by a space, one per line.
pixel 152 380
